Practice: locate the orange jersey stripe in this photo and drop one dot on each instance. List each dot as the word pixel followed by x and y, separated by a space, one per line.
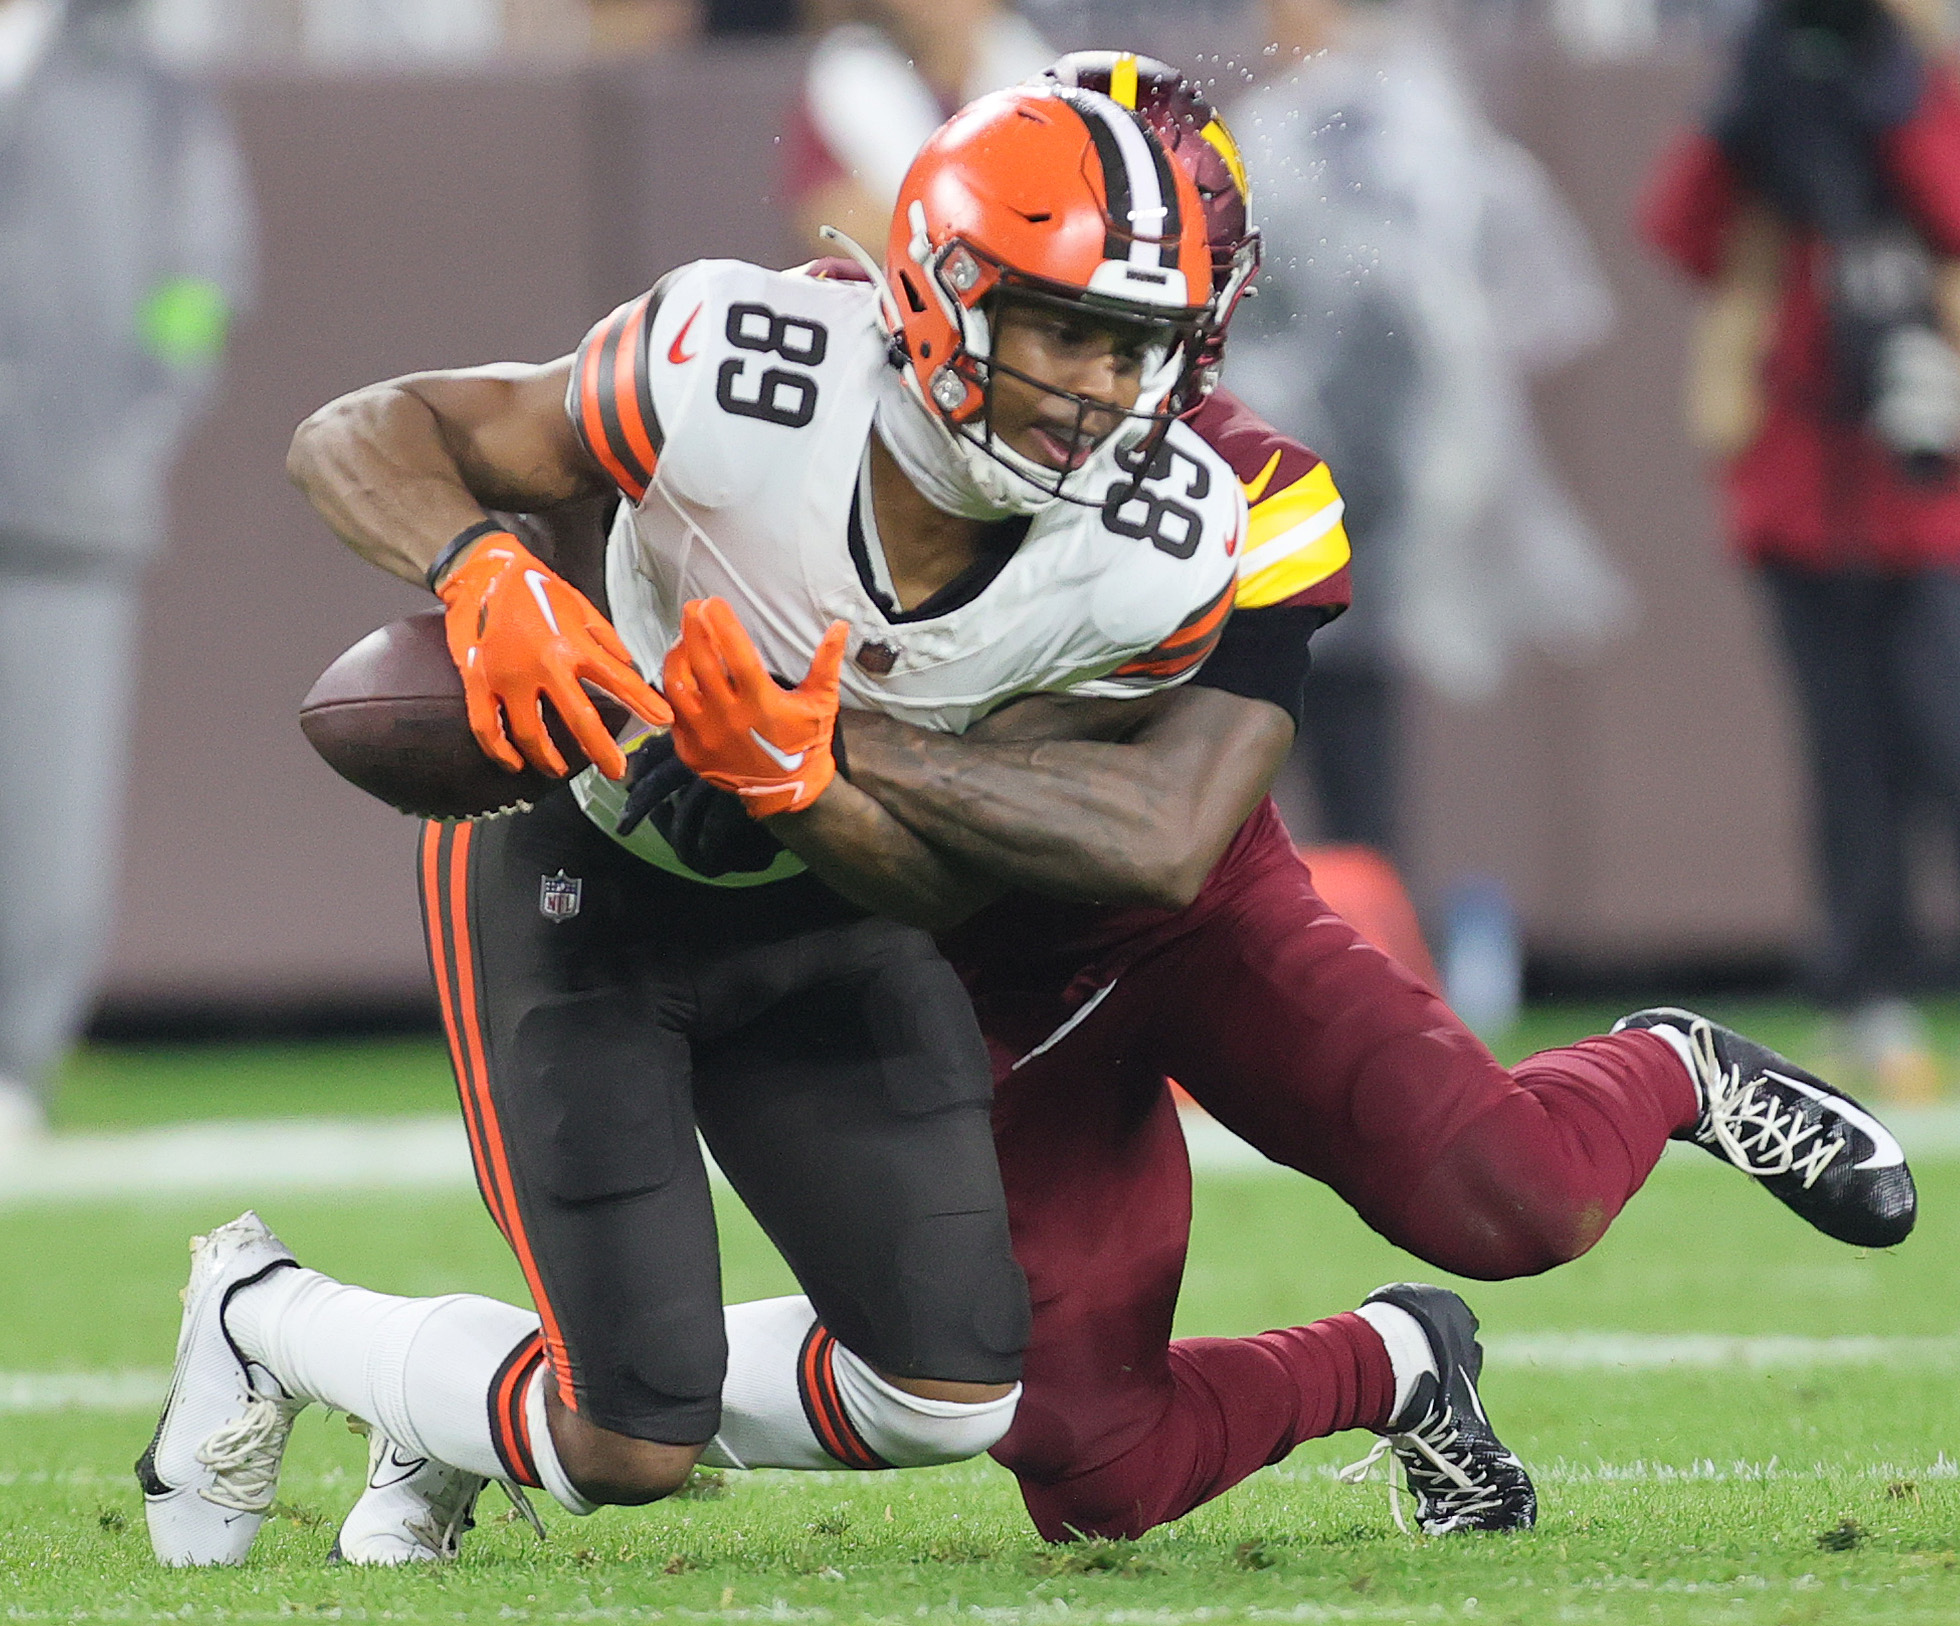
pixel 495 1155
pixel 1188 645
pixel 591 422
pixel 433 918
pixel 628 372
pixel 611 404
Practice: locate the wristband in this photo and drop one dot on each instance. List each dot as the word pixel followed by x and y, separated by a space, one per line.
pixel 461 540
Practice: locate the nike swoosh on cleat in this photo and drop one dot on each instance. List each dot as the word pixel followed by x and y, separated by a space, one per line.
pixel 535 580
pixel 674 354
pixel 788 761
pixel 407 1468
pixel 1887 1153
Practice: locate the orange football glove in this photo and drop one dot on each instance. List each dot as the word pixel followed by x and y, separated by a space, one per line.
pixel 521 635
pixel 740 730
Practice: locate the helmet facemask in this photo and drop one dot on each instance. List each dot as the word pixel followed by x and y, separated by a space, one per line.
pixel 1107 440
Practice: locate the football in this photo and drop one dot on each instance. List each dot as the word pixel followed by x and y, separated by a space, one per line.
pixel 388 716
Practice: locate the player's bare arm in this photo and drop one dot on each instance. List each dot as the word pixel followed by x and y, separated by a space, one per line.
pixel 404 472
pixel 1038 798
pixel 398 469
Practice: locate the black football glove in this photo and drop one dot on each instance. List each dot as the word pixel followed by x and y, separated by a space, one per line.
pixel 709 829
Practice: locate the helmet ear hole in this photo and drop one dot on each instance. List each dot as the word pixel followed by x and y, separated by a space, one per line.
pixel 912 295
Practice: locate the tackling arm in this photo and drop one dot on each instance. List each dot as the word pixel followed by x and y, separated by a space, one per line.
pixel 1127 802
pixel 1030 802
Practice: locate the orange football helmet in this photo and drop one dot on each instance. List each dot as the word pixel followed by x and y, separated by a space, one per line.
pixel 1200 143
pixel 1052 194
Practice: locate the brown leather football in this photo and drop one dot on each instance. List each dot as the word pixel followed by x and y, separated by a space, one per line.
pixel 389 717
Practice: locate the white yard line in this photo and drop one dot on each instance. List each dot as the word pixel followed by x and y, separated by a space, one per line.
pixel 1539 1351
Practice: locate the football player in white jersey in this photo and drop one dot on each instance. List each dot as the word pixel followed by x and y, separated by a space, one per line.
pixel 1007 507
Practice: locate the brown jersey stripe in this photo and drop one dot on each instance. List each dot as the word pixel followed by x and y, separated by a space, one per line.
pixel 1174 665
pixel 510 1422
pixel 630 399
pixel 442 966
pixel 614 387
pixel 1203 620
pixel 1188 645
pixel 496 1160
pixel 823 1404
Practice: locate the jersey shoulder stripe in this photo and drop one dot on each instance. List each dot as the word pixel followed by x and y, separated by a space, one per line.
pixel 1184 649
pixel 1296 550
pixel 1295 539
pixel 610 397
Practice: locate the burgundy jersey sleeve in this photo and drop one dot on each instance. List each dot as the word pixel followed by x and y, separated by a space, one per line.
pixel 1293 575
pixel 1296 547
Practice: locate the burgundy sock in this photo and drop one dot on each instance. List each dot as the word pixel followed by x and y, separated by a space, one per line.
pixel 1237 1404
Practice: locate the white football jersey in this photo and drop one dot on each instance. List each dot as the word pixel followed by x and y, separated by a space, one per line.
pixel 733 406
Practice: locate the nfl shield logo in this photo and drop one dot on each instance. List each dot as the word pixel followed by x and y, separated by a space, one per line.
pixel 559 896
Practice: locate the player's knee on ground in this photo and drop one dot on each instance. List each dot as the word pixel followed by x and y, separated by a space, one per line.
pixel 917 1431
pixel 616 1470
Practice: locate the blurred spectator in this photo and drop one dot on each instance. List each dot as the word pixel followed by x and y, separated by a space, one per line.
pixel 427 33
pixel 127 240
pixel 1419 268
pixel 635 27
pixel 1820 209
pixel 883 77
pixel 726 17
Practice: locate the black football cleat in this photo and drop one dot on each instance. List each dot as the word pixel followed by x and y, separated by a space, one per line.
pixel 1813 1146
pixel 1462 1476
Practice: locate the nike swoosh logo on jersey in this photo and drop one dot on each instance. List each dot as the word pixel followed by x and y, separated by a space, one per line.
pixel 535 580
pixel 1887 1153
pixel 788 761
pixel 674 354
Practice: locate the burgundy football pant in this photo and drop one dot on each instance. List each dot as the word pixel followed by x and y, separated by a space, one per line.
pixel 1329 1058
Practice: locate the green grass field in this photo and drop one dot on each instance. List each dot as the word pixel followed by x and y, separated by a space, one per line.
pixel 1771 1484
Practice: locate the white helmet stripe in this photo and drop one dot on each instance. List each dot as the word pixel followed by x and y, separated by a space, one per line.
pixel 1136 182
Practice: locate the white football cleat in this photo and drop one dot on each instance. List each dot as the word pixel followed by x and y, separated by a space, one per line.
pixel 415 1510
pixel 210 1470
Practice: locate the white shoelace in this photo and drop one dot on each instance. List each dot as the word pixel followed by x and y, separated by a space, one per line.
pixel 1759 1134
pixel 1445 1483
pixel 243 1456
pixel 447 1517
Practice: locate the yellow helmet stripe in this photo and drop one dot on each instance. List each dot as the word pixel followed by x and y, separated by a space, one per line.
pixel 1227 149
pixel 1123 82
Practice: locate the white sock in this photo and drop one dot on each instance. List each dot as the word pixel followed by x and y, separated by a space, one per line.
pixel 420 1370
pixel 1682 1047
pixel 544 1452
pixel 1409 1354
pixel 768 1398
pixel 763 1424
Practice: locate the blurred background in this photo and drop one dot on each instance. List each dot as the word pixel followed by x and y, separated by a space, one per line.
pixel 1562 712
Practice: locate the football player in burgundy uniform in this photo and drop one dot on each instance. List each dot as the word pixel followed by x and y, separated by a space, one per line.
pixel 1228 973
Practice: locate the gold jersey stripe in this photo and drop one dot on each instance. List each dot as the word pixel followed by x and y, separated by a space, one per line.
pixel 1294 539
pixel 1285 510
pixel 1308 567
